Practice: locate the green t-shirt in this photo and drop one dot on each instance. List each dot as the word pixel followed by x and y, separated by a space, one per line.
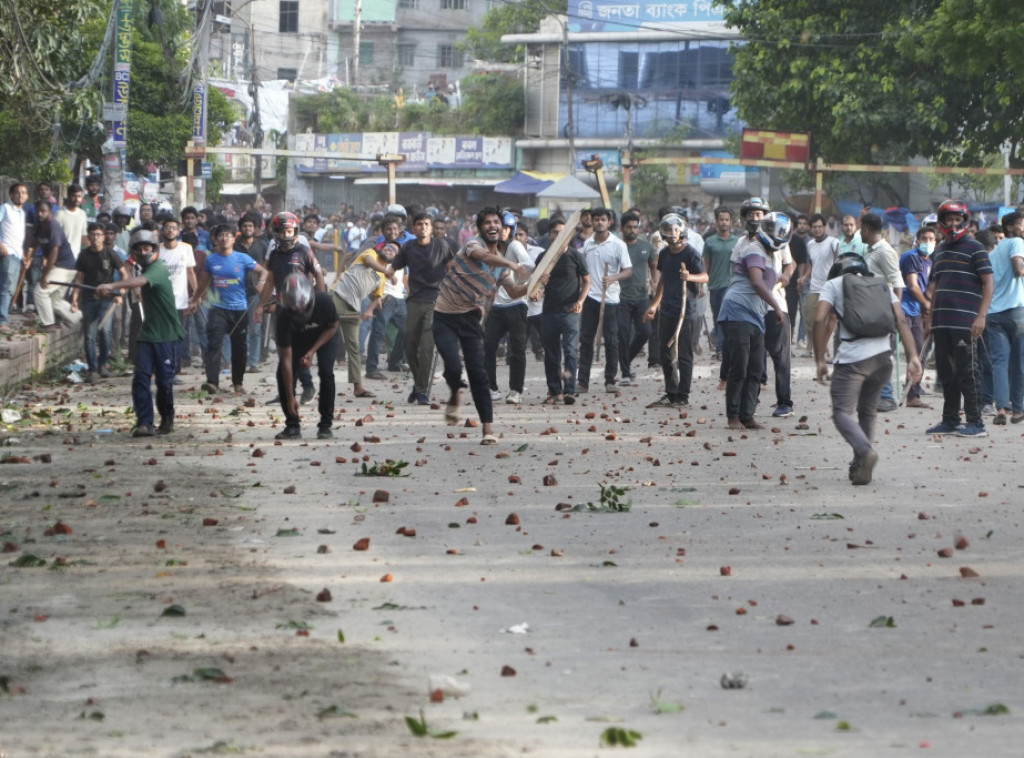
pixel 160 321
pixel 718 253
pixel 640 253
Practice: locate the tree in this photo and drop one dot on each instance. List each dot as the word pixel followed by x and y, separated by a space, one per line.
pixel 877 81
pixel 508 18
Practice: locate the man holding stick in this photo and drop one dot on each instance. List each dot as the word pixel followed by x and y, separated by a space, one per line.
pixel 608 263
pixel 681 272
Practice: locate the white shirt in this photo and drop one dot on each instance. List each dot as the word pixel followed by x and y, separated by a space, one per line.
pixel 852 349
pixel 615 254
pixel 821 256
pixel 780 259
pixel 74 223
pixel 514 252
pixel 12 229
pixel 178 262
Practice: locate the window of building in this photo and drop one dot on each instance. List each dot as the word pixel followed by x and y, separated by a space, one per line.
pixel 407 55
pixel 409 4
pixel 291 74
pixel 366 53
pixel 453 5
pixel 449 56
pixel 288 16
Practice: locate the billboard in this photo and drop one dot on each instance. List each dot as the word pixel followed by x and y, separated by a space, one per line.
pixel 422 151
pixel 612 16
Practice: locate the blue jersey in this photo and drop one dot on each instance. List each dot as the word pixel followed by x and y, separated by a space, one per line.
pixel 228 279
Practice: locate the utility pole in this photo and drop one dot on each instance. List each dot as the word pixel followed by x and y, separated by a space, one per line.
pixel 569 125
pixel 257 128
pixel 357 24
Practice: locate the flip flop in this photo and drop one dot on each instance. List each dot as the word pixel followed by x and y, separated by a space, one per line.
pixel 451 414
pixel 917 404
pixel 365 393
pixel 489 439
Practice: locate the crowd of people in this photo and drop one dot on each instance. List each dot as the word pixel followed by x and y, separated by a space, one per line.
pixel 397 284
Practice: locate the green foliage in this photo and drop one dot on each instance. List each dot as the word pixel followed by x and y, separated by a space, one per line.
pixel 388 468
pixel 492 104
pixel 648 185
pixel 616 736
pixel 611 499
pixel 875 81
pixel 508 18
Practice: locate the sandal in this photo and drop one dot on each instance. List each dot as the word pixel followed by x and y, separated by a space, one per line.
pixel 917 403
pixel 1000 419
pixel 365 393
pixel 451 414
pixel 489 439
pixel 552 400
pixel 1016 418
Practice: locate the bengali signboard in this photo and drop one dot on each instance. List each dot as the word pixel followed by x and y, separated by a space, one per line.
pixel 199 114
pixel 422 151
pixel 122 70
pixel 613 16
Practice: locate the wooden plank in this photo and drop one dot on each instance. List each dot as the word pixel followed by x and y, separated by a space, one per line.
pixel 554 252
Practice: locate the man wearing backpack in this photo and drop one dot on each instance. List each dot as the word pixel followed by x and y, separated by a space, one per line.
pixel 868 312
pixel 884 262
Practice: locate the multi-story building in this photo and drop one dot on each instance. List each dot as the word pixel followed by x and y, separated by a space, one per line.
pixel 401 43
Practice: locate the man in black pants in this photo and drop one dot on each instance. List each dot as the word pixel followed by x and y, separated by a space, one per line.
pixel 306 324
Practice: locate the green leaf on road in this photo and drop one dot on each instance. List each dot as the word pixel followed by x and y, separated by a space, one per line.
pixel 174 611
pixel 28 561
pixel 883 622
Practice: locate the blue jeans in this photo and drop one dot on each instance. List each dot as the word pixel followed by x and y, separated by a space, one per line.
pixel 197 331
pixel 1004 337
pixel 560 333
pixel 453 331
pixel 392 311
pixel 93 312
pixel 716 305
pixel 153 358
pixel 10 270
pixel 255 339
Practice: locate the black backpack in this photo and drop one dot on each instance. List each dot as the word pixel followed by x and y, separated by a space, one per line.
pixel 867 306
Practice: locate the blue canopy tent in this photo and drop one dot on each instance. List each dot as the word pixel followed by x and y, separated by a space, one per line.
pixel 523 183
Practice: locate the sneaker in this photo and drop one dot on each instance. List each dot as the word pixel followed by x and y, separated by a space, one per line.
pixel 422 399
pixel 680 403
pixel 611 387
pixel 988 409
pixel 252 369
pixel 495 396
pixel 972 430
pixel 412 397
pixel 626 382
pixel 513 398
pixel 662 402
pixel 90 377
pixel 104 372
pixel 376 375
pixel 143 431
pixel 308 393
pixel 581 389
pixel 942 428
pixel 289 433
pixel 887 405
pixel 324 433
pixel 239 389
pixel 212 389
pixel 864 468
pixel 166 426
pixel 781 411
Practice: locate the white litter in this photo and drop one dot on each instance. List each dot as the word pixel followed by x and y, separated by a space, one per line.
pixel 522 628
pixel 449 685
pixel 10 416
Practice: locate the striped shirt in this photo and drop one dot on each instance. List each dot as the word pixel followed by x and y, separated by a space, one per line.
pixel 468 282
pixel 957 275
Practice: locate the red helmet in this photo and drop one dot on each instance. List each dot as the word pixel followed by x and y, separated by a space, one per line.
pixel 279 223
pixel 949 207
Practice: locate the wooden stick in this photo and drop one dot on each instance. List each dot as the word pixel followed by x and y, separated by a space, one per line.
pixel 600 316
pixel 907 385
pixel 21 281
pixel 674 342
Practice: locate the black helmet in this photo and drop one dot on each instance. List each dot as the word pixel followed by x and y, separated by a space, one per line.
pixel 849 263
pixel 752 204
pixel 296 293
pixel 142 237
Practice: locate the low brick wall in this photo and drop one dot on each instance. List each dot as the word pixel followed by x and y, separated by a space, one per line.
pixel 23 356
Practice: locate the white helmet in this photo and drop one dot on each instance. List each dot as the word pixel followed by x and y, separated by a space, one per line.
pixel 672 227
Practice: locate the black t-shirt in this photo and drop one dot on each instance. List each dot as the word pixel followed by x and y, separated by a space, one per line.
pixel 299 258
pixel 296 331
pixel 97 268
pixel 562 291
pixel 426 264
pixel 670 265
pixel 258 252
pixel 798 249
